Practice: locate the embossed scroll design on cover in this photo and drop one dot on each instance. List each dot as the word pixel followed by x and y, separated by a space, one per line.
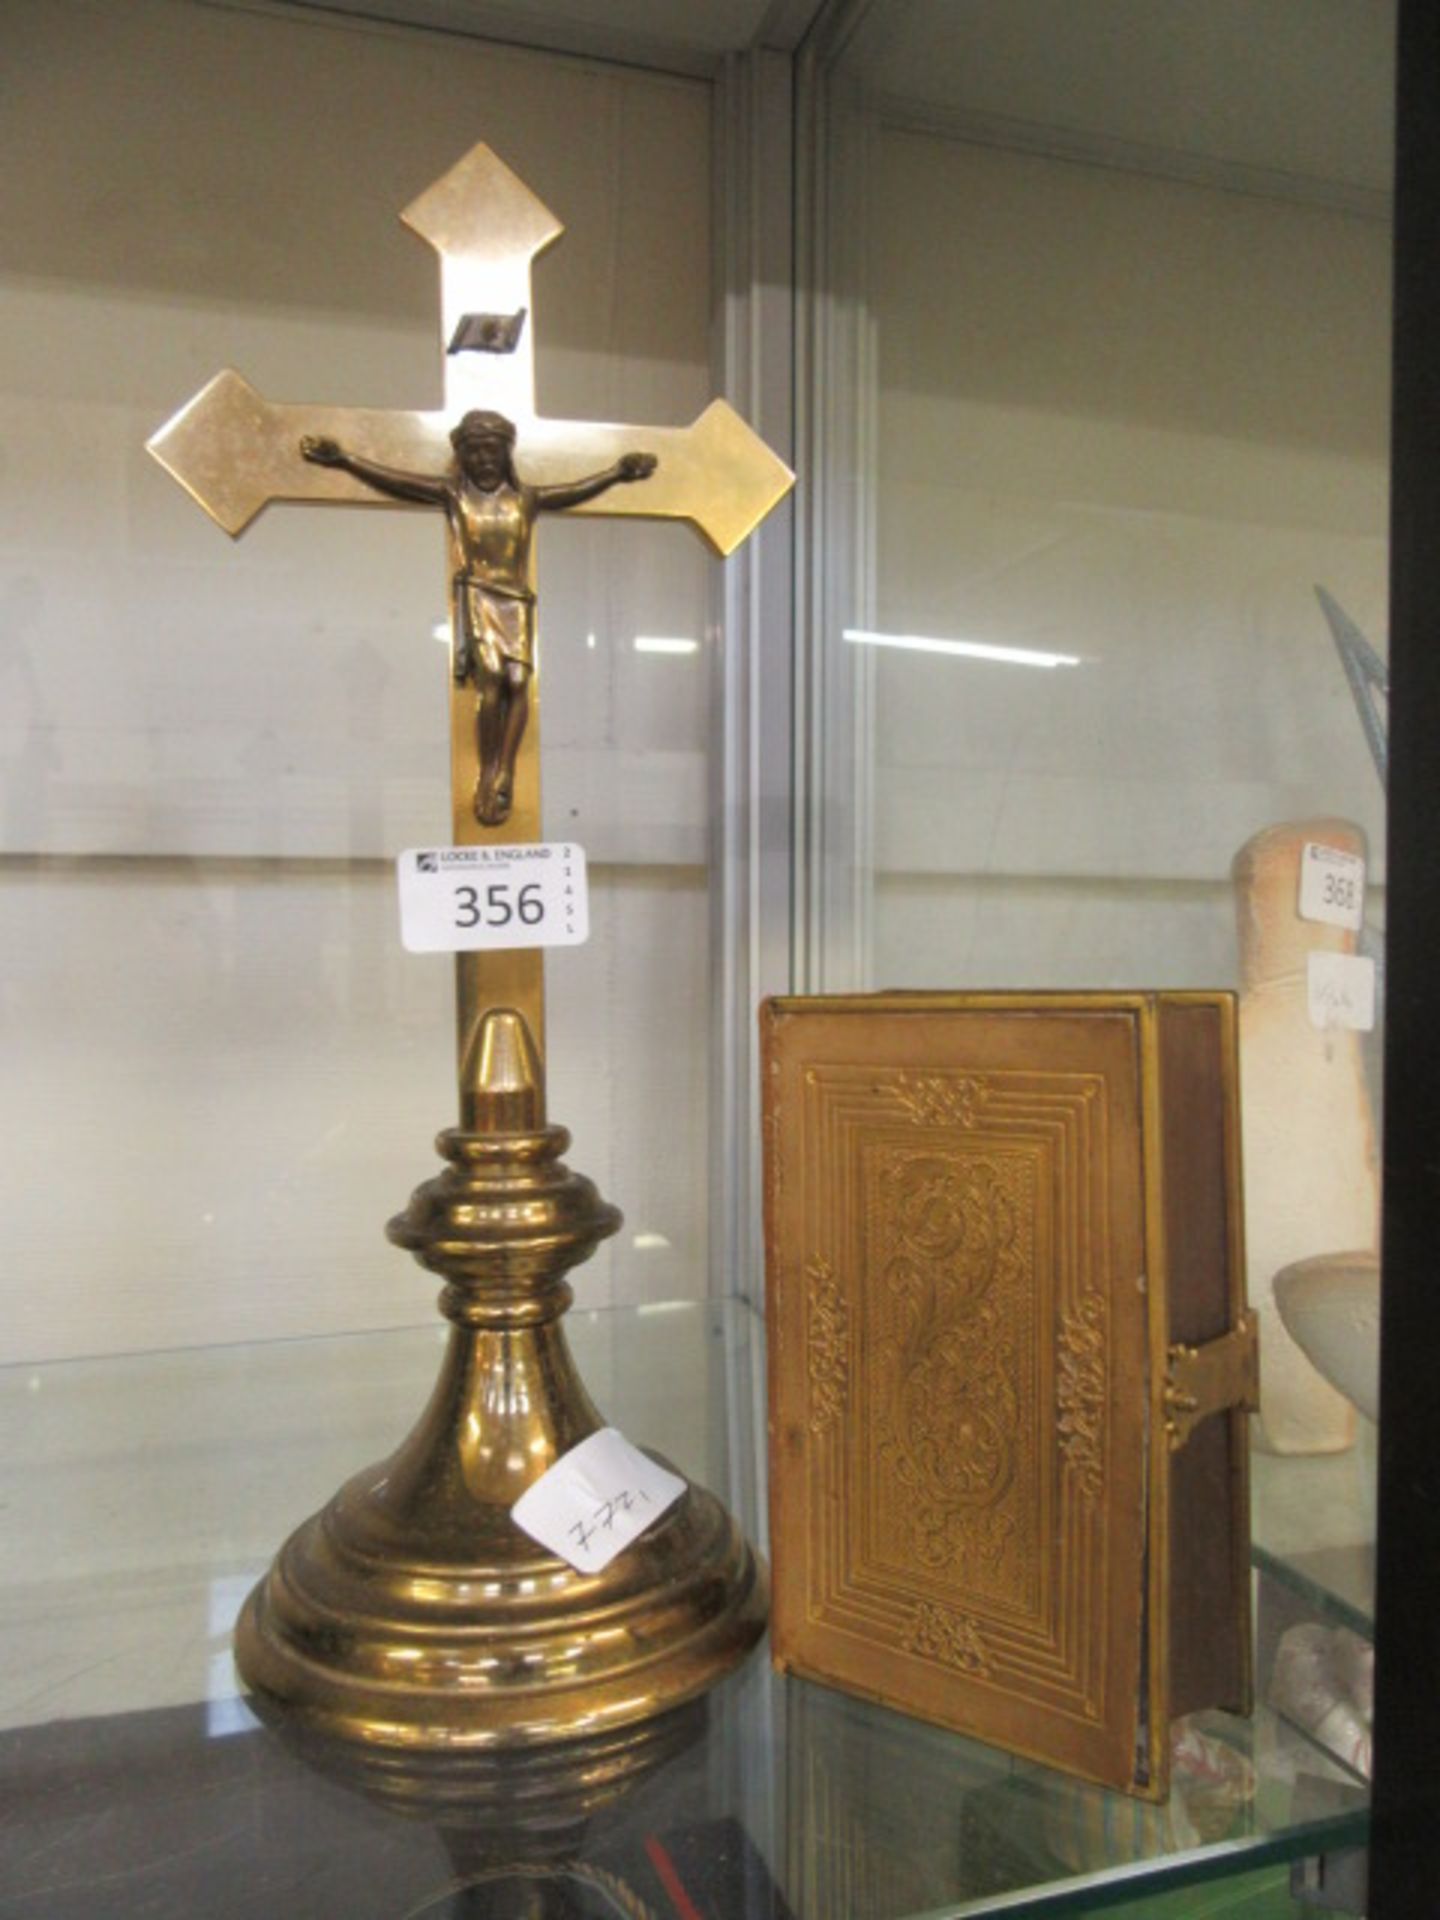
pixel 965 1197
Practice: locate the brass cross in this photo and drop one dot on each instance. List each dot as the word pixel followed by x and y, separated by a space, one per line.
pixel 235 451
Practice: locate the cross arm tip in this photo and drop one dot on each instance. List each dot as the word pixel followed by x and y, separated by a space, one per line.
pixel 203 448
pixel 751 478
pixel 481 207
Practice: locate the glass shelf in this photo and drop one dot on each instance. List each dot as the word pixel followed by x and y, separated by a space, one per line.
pixel 144 1495
pixel 1314 1526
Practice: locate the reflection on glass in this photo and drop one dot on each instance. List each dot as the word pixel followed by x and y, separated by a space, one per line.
pixel 781 1796
pixel 969 649
pixel 198 892
pixel 225 1713
pixel 1107 344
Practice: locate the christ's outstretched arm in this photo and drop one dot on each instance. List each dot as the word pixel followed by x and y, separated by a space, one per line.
pixel 574 493
pixel 426 490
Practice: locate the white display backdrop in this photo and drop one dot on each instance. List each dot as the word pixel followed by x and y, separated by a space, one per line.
pixel 1136 421
pixel 220 1071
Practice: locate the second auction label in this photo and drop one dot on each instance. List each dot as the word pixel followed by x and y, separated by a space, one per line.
pixel 1332 885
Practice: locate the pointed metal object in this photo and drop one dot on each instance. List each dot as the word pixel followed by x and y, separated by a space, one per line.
pixel 1367 674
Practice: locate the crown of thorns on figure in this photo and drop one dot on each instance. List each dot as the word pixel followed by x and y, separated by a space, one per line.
pixel 481 425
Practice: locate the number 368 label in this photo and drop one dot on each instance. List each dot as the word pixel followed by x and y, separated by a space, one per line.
pixel 467 899
pixel 1332 885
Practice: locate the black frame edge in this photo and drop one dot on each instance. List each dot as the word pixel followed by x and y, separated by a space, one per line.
pixel 1406 1814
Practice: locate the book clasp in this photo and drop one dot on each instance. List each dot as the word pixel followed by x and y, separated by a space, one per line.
pixel 1222 1374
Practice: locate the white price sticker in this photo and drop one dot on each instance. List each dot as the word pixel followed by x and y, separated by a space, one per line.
pixel 473 899
pixel 1332 885
pixel 595 1500
pixel 1341 990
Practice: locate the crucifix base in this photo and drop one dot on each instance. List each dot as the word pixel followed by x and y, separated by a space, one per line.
pixel 412 1611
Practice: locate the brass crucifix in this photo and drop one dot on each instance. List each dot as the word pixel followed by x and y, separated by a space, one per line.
pixel 234 452
pixel 415 1611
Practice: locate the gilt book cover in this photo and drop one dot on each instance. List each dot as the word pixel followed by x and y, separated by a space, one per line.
pixel 1010 1364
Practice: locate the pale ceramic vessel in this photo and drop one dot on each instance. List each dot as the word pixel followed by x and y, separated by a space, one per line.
pixel 1331 1306
pixel 1311 1180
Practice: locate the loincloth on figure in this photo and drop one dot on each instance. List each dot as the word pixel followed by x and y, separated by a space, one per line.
pixel 494 624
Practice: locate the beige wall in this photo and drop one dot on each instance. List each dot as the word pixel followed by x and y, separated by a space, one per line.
pixel 1137 421
pixel 219 1073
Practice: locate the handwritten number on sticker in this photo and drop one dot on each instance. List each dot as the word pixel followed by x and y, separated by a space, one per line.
pixel 602 1520
pixel 596 1499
